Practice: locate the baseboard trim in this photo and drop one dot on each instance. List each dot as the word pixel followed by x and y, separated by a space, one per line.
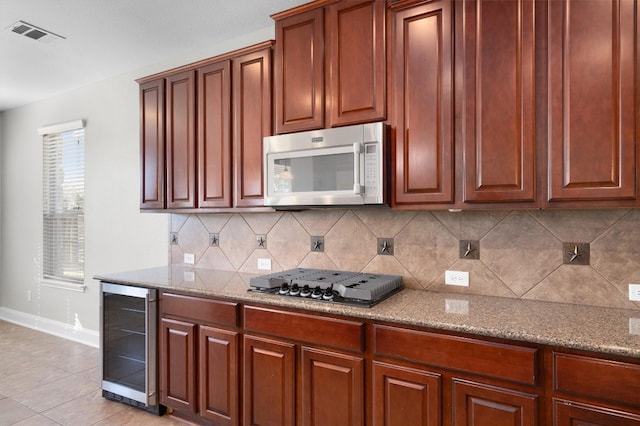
pixel 56 328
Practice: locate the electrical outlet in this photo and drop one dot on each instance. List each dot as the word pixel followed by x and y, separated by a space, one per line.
pixel 634 326
pixel 459 278
pixel 264 264
pixel 634 292
pixel 189 258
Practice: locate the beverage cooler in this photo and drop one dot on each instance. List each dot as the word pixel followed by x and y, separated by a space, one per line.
pixel 128 345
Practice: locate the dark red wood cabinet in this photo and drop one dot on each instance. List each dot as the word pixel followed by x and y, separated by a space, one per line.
pixel 199 358
pixel 215 114
pixel 330 65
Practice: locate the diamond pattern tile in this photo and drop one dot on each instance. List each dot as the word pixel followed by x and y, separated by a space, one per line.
pixel 350 244
pixel 384 223
pixel 251 265
pixel 317 261
pixel 215 222
pixel 616 254
pixel 193 237
pixel 470 225
pixel 288 242
pixel 262 223
pixel 390 265
pixel 521 252
pixel 481 280
pixel 318 222
pixel 237 241
pixel 425 248
pixel 578 225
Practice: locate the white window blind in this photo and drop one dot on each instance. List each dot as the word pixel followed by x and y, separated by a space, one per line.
pixel 63 213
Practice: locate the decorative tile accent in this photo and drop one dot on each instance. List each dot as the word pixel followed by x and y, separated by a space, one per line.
pixel 385 246
pixel 261 241
pixel 317 243
pixel 575 253
pixel 173 238
pixel 469 249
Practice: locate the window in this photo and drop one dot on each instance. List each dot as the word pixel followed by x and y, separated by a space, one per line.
pixel 63 204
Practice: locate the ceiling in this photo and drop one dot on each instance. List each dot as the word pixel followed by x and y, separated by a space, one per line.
pixel 105 38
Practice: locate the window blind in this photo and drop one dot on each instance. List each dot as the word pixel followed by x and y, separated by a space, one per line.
pixel 63 206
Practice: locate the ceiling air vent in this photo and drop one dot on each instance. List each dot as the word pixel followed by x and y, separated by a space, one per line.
pixel 33 32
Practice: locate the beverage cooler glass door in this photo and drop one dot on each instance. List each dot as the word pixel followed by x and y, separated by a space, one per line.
pixel 128 342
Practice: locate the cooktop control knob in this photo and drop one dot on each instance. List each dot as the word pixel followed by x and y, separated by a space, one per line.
pixel 306 291
pixel 284 289
pixel 295 290
pixel 317 293
pixel 328 293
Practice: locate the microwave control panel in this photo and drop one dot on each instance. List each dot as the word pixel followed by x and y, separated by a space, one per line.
pixel 371 168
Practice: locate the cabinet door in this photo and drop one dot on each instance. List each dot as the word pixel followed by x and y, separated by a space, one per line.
pixel 356 62
pixel 218 376
pixel 405 396
pixel 498 105
pixel 591 104
pixel 178 364
pixel 269 382
pixel 476 404
pixel 181 140
pixel 214 135
pixel 299 72
pixel 252 116
pixel 569 413
pixel 422 98
pixel 332 388
pixel 152 145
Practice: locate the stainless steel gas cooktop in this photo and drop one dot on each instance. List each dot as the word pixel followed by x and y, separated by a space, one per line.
pixel 350 288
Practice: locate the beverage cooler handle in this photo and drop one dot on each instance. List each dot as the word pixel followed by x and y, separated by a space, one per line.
pixel 357 189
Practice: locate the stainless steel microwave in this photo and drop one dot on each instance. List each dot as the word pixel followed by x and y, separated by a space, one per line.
pixel 342 166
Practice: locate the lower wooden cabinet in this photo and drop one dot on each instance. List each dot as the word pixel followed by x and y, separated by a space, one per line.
pixel 178 364
pixel 269 382
pixel 477 404
pixel 405 396
pixel 568 413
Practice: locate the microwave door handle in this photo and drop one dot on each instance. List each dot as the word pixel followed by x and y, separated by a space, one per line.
pixel 357 189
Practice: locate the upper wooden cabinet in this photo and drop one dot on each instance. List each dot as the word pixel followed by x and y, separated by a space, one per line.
pixel 208 120
pixel 152 166
pixel 498 138
pixel 592 100
pixel 421 67
pixel 332 78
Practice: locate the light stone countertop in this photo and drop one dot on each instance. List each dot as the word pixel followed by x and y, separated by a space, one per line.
pixel 590 328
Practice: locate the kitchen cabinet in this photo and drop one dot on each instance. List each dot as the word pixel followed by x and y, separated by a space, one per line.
pixel 328 365
pixel 199 358
pixel 152 166
pixel 476 382
pixel 591 101
pixel 181 139
pixel 216 113
pixel 594 391
pixel 422 103
pixel 334 77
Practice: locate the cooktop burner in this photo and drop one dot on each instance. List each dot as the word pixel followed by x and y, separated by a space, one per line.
pixel 351 288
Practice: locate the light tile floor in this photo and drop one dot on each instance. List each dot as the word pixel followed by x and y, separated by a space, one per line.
pixel 47 380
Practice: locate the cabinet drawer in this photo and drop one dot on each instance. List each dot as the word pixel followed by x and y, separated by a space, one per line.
pixel 332 332
pixel 514 363
pixel 597 378
pixel 200 309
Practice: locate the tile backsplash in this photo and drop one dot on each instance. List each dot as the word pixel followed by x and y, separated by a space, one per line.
pixel 521 252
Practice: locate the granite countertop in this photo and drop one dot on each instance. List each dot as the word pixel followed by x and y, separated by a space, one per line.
pixel 590 328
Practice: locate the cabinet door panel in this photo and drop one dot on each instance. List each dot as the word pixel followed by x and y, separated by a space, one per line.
pixel 405 396
pixel 356 62
pixel 152 168
pixel 181 140
pixel 252 122
pixel 218 383
pixel 299 72
pixel 499 101
pixel 422 85
pixel 332 388
pixel 269 382
pixel 476 404
pixel 214 135
pixel 569 413
pixel 591 100
pixel 177 364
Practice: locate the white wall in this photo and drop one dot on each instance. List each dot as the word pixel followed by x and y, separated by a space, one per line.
pixel 118 236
